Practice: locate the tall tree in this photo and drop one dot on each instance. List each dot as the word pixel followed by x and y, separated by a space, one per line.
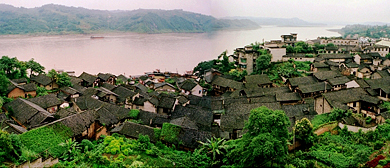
pixel 262 63
pixel 4 82
pixel 264 141
pixel 12 67
pixel 34 67
pixel 61 79
pixel 304 131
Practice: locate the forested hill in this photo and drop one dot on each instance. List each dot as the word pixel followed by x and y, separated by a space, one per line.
pixel 365 31
pixel 58 19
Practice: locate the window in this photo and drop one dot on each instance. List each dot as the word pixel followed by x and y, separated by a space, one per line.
pixel 243 66
pixel 354 104
pixel 243 60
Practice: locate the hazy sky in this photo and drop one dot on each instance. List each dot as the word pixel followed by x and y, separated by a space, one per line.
pixel 358 11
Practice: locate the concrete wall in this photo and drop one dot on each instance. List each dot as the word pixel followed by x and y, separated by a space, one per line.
pixel 284 59
pixel 195 90
pixel 277 54
pixel 16 93
pixel 322 106
pixel 355 128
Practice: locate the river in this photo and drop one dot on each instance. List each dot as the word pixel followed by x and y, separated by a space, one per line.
pixel 134 54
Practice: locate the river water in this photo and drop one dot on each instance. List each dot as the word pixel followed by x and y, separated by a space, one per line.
pixel 134 54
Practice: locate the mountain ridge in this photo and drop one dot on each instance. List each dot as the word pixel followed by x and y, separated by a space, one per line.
pixel 281 22
pixel 59 19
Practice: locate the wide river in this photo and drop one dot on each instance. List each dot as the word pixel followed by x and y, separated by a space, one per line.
pixel 134 54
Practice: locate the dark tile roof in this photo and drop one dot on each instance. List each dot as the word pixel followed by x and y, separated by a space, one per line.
pixel 88 78
pixel 258 92
pixel 362 83
pixel 79 122
pixel 335 56
pixel 152 118
pixel 46 101
pixel 190 137
pixel 302 80
pixel 166 102
pixel 133 130
pixel 69 90
pixel 103 92
pixel 123 78
pixel 282 97
pixel 108 86
pixel 379 83
pixel 365 56
pixel 28 113
pixel 188 85
pixel 41 79
pixel 86 102
pixel 182 99
pixel 123 93
pixel 12 86
pixel 340 98
pixel 320 65
pixel 29 87
pixel 339 80
pixel 184 122
pixel 105 76
pixel 141 87
pixel 320 86
pixel 352 65
pixel 90 91
pixel 258 79
pixel 350 120
pixel 383 73
pixel 297 112
pixel 203 118
pixel 111 114
pixel 63 112
pixel 326 75
pixel 237 113
pixel 21 80
pixel 157 85
pixel 224 82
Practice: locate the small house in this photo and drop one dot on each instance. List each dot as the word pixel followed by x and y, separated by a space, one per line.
pixel 190 87
pixel 49 102
pixel 44 81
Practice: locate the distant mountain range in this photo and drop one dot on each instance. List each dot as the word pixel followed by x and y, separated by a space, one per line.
pixel 58 19
pixel 282 22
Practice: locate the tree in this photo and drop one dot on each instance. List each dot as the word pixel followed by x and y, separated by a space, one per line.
pixel 262 63
pixel 304 131
pixel 264 141
pixel 215 147
pixel 34 67
pixel 4 82
pixel 224 65
pixel 289 49
pixel 205 65
pixel 330 45
pixel 238 74
pixel 41 91
pixel 12 67
pixel 388 56
pixel 338 114
pixel 61 79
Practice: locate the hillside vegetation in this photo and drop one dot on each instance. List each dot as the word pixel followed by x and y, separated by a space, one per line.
pixel 366 31
pixel 58 19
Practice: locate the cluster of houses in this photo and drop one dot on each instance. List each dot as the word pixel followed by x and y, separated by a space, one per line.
pixel 100 104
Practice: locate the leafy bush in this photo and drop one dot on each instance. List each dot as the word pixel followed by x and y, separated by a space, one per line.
pixel 134 113
pixel 169 133
pixel 47 138
pixel 382 162
pixel 378 145
pixel 368 120
pixel 9 151
pixel 157 133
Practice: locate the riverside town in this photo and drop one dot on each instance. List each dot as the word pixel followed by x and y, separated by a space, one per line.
pixel 220 91
pixel 326 86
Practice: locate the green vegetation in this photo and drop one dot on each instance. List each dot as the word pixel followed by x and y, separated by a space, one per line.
pixel 366 31
pixel 62 79
pixel 265 140
pixel 134 113
pixel 57 19
pixel 41 91
pixel 169 133
pixel 300 47
pixel 45 140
